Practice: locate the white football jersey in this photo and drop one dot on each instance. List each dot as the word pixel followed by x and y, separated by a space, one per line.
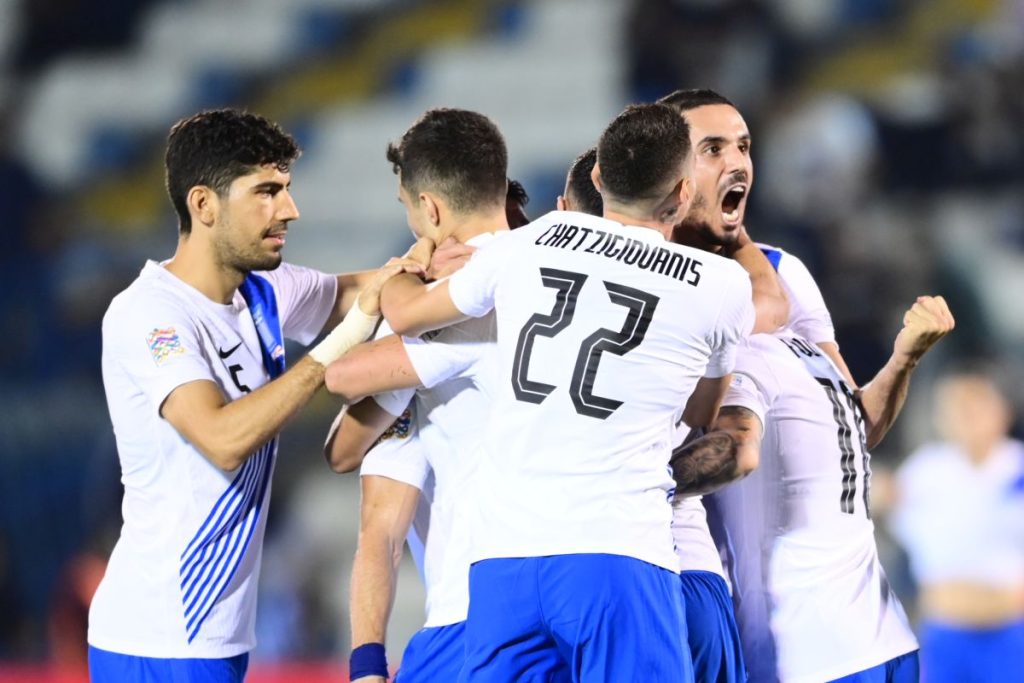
pixel 980 538
pixel 181 581
pixel 603 331
pixel 802 554
pixel 450 414
pixel 808 318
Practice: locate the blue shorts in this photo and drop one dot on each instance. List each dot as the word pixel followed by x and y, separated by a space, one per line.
pixel 584 617
pixel 434 654
pixel 952 653
pixel 112 667
pixel 902 669
pixel 711 629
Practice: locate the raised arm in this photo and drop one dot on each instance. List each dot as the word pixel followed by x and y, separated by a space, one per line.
pixel 770 299
pixel 412 308
pixel 229 432
pixel 927 321
pixel 729 451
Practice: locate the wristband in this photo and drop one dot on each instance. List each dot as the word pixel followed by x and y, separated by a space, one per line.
pixel 368 660
pixel 354 329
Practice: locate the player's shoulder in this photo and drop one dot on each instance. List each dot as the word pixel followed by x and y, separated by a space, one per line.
pixel 151 292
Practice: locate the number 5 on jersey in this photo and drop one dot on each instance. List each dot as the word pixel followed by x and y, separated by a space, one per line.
pixel 567 284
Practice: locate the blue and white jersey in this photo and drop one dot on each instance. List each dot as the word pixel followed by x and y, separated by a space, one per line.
pixel 181 582
pixel 812 600
pixel 808 318
pixel 450 413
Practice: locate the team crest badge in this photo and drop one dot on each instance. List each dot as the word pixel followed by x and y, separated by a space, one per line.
pixel 163 344
pixel 400 428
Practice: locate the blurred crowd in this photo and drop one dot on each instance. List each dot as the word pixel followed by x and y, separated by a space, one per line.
pixel 888 153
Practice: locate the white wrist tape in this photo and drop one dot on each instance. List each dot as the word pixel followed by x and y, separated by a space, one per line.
pixel 354 329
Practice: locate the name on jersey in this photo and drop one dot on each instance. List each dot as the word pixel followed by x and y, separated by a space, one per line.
pixel 632 252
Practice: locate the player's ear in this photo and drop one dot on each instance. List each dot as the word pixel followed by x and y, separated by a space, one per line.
pixel 595 176
pixel 431 207
pixel 560 203
pixel 203 204
pixel 685 194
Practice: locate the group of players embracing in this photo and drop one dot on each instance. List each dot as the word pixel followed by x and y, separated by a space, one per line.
pixel 553 411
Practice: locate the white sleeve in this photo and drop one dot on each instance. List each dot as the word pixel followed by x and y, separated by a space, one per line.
pixel 735 323
pixel 305 299
pixel 754 385
pixel 472 288
pixel 158 344
pixel 398 454
pixel 451 351
pixel 808 314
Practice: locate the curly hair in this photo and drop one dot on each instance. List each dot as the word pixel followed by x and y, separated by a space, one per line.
pixel 456 153
pixel 213 148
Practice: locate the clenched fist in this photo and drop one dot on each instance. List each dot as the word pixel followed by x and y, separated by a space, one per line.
pixel 927 321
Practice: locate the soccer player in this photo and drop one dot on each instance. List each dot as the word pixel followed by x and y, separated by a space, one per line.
pixel 571 542
pixel 812 599
pixel 722 143
pixel 452 165
pixel 723 176
pixel 710 620
pixel 194 372
pixel 960 515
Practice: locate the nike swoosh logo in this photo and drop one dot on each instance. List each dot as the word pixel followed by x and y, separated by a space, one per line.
pixel 225 354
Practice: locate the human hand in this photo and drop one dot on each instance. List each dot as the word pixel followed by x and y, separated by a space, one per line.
pixel 448 258
pixel 927 321
pixel 420 252
pixel 368 300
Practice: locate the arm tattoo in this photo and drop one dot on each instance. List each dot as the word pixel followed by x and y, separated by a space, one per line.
pixel 709 462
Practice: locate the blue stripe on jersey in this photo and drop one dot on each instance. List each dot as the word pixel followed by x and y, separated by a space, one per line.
pixel 774 256
pixel 237 505
pixel 212 550
pixel 213 561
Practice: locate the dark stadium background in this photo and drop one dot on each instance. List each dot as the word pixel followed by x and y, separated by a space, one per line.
pixel 889 155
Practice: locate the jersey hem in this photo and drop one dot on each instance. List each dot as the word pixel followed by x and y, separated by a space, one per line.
pixel 164 652
pixel 671 565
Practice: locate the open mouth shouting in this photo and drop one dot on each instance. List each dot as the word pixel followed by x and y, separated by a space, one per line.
pixel 732 203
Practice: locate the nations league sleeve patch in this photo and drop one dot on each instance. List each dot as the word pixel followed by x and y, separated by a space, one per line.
pixel 163 344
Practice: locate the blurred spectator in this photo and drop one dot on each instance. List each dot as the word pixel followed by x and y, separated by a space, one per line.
pixel 960 515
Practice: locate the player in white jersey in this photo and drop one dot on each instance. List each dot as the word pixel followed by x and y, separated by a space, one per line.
pixel 571 529
pixel 960 515
pixel 812 599
pixel 194 372
pixel 452 166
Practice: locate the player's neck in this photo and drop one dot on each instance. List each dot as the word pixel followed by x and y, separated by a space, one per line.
pixel 663 229
pixel 196 267
pixel 473 225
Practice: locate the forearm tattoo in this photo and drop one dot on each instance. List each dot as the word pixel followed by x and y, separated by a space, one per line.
pixel 709 462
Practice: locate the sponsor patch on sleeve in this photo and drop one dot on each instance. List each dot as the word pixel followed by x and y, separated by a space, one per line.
pixel 164 343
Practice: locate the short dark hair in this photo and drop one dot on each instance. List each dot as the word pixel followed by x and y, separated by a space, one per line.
pixel 213 148
pixel 641 151
pixel 584 195
pixel 457 153
pixel 516 200
pixel 685 100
